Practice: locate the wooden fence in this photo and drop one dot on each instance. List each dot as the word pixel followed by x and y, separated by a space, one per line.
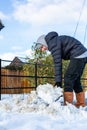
pixel 14 82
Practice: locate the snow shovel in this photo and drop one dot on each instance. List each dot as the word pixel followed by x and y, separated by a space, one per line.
pixel 47 104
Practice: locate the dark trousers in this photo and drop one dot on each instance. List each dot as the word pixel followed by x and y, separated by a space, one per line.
pixel 72 77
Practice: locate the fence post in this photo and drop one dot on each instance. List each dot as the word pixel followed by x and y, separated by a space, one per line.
pixel 35 75
pixel 0 79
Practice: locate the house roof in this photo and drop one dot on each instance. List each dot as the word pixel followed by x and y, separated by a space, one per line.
pixel 16 61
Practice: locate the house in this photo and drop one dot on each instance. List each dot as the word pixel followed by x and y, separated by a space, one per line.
pixel 16 62
pixel 14 80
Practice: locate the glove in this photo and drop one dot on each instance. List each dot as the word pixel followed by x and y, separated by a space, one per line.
pixel 58 84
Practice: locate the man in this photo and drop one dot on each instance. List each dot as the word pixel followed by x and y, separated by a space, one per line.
pixel 67 48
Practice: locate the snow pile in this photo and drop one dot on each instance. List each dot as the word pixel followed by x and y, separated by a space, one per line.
pixel 43 101
pixel 49 93
pixel 36 101
pixel 39 111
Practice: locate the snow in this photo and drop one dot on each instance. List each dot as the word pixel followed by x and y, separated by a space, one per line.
pixel 39 110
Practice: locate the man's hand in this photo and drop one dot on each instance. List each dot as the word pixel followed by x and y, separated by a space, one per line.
pixel 58 84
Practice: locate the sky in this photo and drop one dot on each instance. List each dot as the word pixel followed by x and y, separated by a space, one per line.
pixel 39 111
pixel 26 20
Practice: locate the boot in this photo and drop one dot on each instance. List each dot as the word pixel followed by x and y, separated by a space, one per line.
pixel 80 97
pixel 68 97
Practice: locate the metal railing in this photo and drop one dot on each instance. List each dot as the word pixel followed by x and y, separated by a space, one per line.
pixel 35 77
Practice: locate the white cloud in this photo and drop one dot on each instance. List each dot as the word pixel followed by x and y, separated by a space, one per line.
pixel 7 56
pixel 51 11
pixel 42 17
pixel 29 53
pixel 16 48
pixel 1 36
pixel 11 55
pixel 3 16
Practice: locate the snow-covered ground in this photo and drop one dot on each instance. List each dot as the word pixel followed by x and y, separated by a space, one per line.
pixel 39 111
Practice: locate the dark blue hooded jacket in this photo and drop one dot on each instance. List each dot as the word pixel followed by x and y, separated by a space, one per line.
pixel 63 47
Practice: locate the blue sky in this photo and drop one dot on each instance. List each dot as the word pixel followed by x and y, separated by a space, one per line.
pixel 26 20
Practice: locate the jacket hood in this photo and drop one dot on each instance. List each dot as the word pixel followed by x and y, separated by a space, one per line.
pixel 50 36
